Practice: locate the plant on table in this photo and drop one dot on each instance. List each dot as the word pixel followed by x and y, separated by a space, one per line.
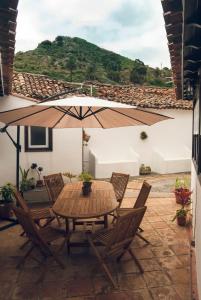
pixel 184 200
pixel 86 178
pixel 25 182
pixel 6 192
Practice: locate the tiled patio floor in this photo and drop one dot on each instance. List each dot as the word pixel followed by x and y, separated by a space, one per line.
pixel 166 262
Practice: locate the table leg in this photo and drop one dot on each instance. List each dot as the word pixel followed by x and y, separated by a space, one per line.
pixel 67 235
pixel 105 221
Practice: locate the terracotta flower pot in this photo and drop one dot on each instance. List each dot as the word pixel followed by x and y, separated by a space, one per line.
pixel 39 183
pixel 178 195
pixel 181 220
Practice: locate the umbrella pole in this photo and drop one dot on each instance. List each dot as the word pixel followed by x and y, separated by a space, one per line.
pixel 18 157
pixel 82 150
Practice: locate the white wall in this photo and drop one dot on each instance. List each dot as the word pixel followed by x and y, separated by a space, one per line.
pixel 196 196
pixel 66 155
pixel 172 138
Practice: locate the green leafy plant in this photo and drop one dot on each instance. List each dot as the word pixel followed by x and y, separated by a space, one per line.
pixel 85 177
pixel 24 183
pixel 182 212
pixel 182 183
pixel 143 135
pixel 69 175
pixel 6 192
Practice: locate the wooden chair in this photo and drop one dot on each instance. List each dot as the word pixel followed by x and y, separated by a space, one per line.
pixel 41 238
pixel 54 184
pixel 119 182
pixel 140 202
pixel 37 214
pixel 117 241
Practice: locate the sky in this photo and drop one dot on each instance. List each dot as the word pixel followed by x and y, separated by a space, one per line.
pixel 132 28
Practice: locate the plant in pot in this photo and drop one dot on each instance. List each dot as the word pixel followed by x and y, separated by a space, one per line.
pixel 86 178
pixel 181 214
pixel 181 186
pixel 69 175
pixel 39 182
pixel 6 193
pixel 24 183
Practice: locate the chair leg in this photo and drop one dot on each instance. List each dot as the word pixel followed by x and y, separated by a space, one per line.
pixel 142 238
pixel 140 229
pixel 57 259
pixel 22 261
pixel 136 261
pixel 25 243
pixel 101 261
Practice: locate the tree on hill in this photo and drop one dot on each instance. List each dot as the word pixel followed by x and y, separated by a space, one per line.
pixel 91 72
pixel 71 65
pixel 138 73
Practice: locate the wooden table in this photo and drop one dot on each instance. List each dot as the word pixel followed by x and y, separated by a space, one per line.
pixel 71 204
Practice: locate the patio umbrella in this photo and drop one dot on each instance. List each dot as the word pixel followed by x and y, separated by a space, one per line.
pixel 79 112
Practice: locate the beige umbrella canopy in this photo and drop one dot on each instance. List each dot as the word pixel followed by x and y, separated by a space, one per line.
pixel 80 112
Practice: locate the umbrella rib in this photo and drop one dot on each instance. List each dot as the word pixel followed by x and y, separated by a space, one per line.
pixel 97 118
pixel 127 116
pixel 93 112
pixel 59 120
pixel 29 115
pixel 153 113
pixel 68 112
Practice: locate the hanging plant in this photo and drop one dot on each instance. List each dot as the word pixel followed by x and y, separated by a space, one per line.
pixel 143 135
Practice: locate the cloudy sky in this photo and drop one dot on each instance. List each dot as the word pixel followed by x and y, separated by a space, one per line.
pixel 133 28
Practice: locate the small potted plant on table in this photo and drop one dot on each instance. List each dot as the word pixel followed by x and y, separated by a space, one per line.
pixel 39 182
pixel 181 214
pixel 6 192
pixel 86 178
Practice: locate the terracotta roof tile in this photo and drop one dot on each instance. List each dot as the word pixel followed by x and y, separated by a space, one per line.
pixel 40 87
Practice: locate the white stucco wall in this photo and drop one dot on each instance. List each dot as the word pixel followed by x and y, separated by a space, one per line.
pixel 66 155
pixel 196 204
pixel 171 138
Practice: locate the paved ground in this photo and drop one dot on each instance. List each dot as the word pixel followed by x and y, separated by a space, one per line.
pixel 166 261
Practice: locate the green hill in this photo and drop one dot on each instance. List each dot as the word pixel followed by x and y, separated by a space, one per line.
pixel 75 59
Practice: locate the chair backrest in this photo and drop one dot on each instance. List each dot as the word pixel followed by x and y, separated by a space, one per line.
pixel 119 182
pixel 143 195
pixel 124 231
pixel 20 200
pixel 54 184
pixel 30 228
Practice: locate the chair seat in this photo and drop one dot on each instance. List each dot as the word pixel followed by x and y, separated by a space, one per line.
pixel 103 236
pixel 42 213
pixel 50 234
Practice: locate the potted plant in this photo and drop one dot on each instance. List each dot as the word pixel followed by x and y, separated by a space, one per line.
pixel 181 186
pixel 184 200
pixel 6 192
pixel 24 183
pixel 39 182
pixel 145 170
pixel 86 178
pixel 69 175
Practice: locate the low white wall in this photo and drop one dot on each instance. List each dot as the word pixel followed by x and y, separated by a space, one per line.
pixel 66 154
pixel 196 204
pixel 170 136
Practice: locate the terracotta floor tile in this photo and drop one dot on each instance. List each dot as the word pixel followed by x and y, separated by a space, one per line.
pixel 79 287
pixel 142 253
pixel 156 279
pixel 170 262
pixel 126 295
pixel 162 251
pixel 26 291
pixel 150 264
pixel 179 276
pixel 183 291
pixel 185 260
pixel 154 219
pixel 143 294
pixel 54 290
pixel 159 225
pixel 131 282
pixel 180 249
pixel 6 289
pixel 166 293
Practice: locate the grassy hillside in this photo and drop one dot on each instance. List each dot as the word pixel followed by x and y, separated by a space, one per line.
pixel 75 59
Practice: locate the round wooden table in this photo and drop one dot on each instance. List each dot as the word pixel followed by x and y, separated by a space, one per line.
pixel 71 204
